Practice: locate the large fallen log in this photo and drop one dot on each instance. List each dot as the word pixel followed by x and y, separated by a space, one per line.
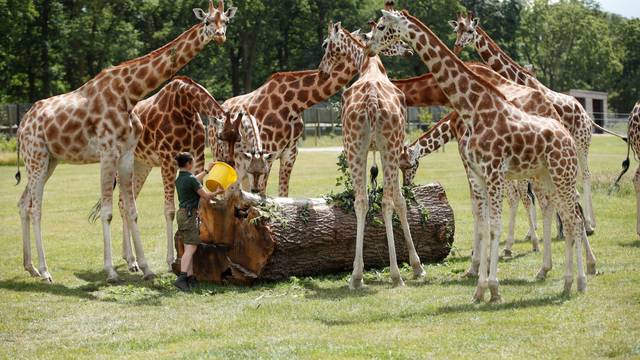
pixel 248 238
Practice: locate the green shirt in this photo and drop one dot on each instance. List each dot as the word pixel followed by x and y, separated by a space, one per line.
pixel 187 186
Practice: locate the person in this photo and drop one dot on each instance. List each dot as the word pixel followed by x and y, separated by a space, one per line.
pixel 190 191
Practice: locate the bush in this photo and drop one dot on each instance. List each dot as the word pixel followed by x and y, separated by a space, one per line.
pixel 8 143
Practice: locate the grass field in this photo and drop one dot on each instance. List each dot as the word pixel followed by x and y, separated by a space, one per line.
pixel 80 316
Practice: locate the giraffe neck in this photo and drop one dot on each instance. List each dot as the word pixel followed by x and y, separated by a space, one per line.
pixel 304 89
pixel 204 101
pixel 140 76
pixel 422 91
pixel 500 62
pixel 440 134
pixel 461 86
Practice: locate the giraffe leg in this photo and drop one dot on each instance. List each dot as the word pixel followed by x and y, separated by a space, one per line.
pixel 25 209
pixel 169 171
pixel 484 231
pixel 108 165
pixel 140 173
pixel 547 214
pixel 414 259
pixel 287 160
pixel 589 217
pixel 36 215
pixel 388 205
pixel 125 177
pixel 477 208
pixel 513 197
pixel 529 205
pixel 357 151
pixel 495 190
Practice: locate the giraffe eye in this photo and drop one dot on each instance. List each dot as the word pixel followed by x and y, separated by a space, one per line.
pixel 381 27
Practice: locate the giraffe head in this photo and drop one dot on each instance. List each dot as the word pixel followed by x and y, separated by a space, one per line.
pixel 257 167
pixel 227 136
pixel 466 31
pixel 258 170
pixel 408 165
pixel 216 20
pixel 339 46
pixel 389 31
pixel 400 49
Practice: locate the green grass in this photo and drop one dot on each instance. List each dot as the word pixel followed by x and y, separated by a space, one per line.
pixel 80 316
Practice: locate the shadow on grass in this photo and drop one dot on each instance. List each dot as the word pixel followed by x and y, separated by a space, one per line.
pixel 635 244
pixel 473 281
pixel 555 300
pixel 315 291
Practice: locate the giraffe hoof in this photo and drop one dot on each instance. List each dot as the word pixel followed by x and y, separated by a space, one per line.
pixel 542 274
pixel 113 278
pixel 418 272
pixel 46 277
pixel 478 297
pixel 134 267
pixel 535 248
pixel 590 232
pixel 496 299
pixel 148 275
pixel 32 271
pixel 582 284
pixel 567 287
pixel 397 282
pixel 356 283
pixel 507 253
pixel 471 273
pixel 591 269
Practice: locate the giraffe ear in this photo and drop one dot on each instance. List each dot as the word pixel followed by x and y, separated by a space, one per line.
pixel 268 157
pixel 475 22
pixel 248 155
pixel 390 16
pixel 231 12
pixel 337 26
pixel 453 24
pixel 200 14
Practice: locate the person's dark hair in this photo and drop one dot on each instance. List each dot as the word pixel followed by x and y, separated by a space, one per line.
pixel 183 159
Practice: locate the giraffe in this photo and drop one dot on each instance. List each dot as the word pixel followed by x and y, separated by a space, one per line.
pixel 171 124
pixel 572 113
pixel 372 108
pixel 504 143
pixel 447 129
pixel 92 124
pixel 424 91
pixel 633 144
pixel 278 106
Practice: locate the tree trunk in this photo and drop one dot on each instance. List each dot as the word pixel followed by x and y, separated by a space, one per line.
pixel 308 237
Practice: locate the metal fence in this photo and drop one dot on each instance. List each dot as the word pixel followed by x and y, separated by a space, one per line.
pixel 320 120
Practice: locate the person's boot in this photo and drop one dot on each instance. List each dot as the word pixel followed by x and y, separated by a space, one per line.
pixel 182 282
pixel 193 282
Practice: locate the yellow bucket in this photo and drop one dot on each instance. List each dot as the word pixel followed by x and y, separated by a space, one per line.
pixel 222 175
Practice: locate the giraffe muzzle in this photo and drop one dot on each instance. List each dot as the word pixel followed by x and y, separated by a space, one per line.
pixel 220 39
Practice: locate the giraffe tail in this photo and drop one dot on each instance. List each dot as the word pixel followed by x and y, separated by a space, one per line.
pixel 94 213
pixel 623 138
pixel 625 167
pixel 530 193
pixel 373 173
pixel 18 175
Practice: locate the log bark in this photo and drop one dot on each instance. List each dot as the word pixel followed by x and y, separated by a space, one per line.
pixel 309 237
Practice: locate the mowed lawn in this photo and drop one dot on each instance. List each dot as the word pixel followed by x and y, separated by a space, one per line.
pixel 80 316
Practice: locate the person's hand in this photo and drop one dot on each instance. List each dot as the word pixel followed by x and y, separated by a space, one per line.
pixel 208 167
pixel 213 196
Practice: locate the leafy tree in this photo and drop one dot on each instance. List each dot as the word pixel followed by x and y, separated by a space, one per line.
pixel 627 87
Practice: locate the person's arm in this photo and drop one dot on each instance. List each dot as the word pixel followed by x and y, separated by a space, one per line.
pixel 207 169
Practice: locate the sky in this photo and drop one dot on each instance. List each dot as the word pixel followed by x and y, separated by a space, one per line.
pixel 626 8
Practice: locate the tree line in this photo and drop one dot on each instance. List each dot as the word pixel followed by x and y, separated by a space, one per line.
pixel 54 46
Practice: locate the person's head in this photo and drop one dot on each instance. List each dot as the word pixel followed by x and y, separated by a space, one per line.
pixel 185 160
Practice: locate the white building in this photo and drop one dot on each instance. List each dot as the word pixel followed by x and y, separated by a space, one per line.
pixel 595 102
